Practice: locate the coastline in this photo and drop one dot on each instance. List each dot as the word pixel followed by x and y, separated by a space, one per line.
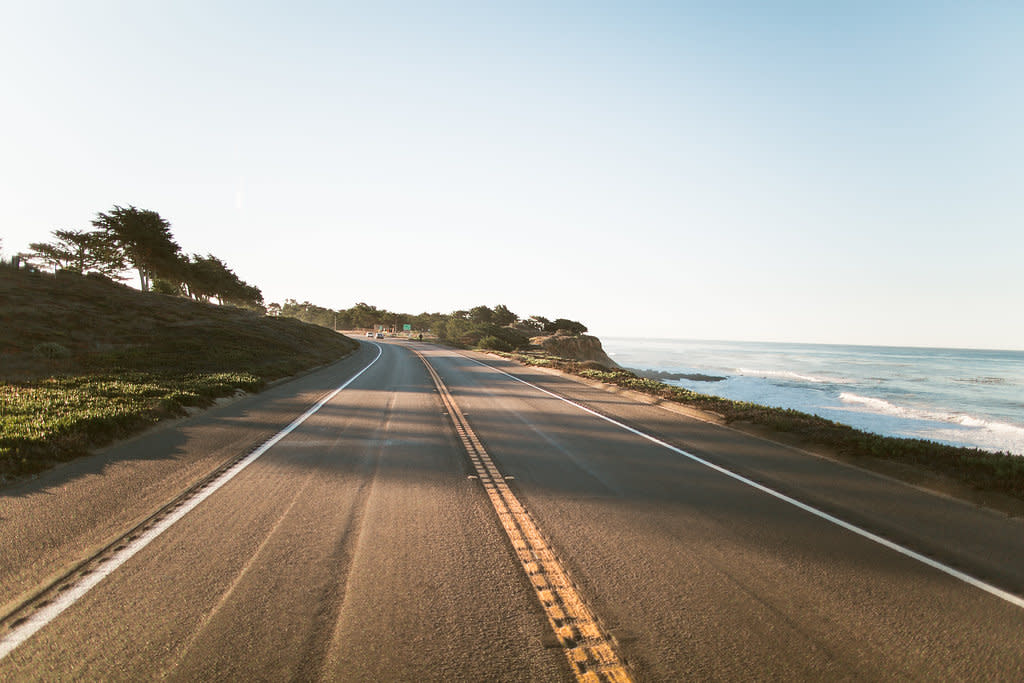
pixel 958 397
pixel 991 480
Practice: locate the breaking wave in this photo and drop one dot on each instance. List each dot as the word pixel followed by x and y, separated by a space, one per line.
pixel 793 376
pixel 961 397
pixel 883 407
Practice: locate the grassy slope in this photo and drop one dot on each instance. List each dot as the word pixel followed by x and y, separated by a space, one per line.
pixel 132 359
pixel 983 471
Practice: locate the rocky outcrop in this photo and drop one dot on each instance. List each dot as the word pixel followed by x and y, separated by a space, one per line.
pixel 663 376
pixel 580 347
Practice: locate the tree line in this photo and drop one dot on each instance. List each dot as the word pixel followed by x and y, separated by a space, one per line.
pixel 127 238
pixel 495 328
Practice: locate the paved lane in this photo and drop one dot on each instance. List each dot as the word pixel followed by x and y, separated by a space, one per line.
pixel 355 549
pixel 702 577
pixel 359 548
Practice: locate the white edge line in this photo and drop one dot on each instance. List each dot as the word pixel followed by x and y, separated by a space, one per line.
pixel 44 616
pixel 955 573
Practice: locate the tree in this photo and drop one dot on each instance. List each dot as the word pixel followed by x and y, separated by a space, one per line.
pixel 201 276
pixel 208 277
pixel 307 312
pixel 428 321
pixel 570 326
pixel 504 317
pixel 244 295
pixel 535 323
pixel 481 315
pixel 145 240
pixel 102 255
pixel 365 315
pixel 57 256
pixel 81 252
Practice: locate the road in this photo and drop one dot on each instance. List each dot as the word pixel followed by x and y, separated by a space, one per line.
pixel 369 542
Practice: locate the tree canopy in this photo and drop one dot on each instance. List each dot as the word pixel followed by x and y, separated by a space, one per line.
pixel 145 240
pixel 561 324
pixel 81 252
pixel 494 328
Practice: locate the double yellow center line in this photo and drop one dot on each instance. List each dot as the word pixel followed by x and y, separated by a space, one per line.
pixel 589 650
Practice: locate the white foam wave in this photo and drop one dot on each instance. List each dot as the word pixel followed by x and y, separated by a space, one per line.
pixel 787 374
pixel 878 405
pixel 871 414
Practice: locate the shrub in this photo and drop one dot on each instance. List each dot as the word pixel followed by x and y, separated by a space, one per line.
pixel 162 286
pixel 494 343
pixel 514 338
pixel 571 327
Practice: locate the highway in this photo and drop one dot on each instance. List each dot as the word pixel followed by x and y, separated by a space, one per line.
pixel 477 520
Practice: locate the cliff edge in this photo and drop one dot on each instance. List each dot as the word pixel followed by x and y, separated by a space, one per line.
pixel 580 347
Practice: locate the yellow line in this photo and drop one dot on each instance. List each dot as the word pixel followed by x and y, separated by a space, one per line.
pixel 590 651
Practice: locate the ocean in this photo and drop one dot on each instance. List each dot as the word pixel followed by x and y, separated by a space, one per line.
pixel 961 397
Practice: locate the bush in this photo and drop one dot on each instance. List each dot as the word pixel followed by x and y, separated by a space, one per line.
pixel 570 326
pixel 466 334
pixel 514 338
pixel 162 286
pixel 494 343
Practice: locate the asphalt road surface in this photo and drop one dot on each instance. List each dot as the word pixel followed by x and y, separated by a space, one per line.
pixel 365 544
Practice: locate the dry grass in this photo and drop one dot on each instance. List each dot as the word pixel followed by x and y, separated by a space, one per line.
pixel 84 361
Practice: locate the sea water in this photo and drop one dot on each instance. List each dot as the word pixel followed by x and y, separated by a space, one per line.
pixel 961 397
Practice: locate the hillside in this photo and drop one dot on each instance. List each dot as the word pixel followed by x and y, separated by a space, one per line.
pixel 84 361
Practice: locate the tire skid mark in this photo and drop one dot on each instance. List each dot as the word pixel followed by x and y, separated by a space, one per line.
pixel 319 650
pixel 591 652
pixel 210 614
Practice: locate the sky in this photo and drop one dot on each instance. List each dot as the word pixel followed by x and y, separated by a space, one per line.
pixel 839 172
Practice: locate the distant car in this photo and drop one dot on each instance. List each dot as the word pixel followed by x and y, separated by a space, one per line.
pixel 370 335
pixel 380 335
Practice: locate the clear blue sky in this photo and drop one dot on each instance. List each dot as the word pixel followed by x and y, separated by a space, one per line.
pixel 800 171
